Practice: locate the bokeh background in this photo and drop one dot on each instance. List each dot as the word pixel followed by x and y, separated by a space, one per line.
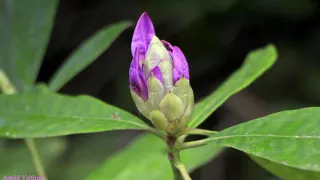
pixel 215 36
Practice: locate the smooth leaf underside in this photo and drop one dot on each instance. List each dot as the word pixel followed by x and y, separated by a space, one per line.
pixel 290 138
pixel 285 172
pixel 25 28
pixel 256 63
pixel 86 54
pixel 44 115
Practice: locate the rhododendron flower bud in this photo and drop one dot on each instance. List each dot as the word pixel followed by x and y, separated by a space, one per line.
pixel 159 79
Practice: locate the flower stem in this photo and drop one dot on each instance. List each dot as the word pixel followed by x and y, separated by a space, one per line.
pixel 179 171
pixel 8 88
pixel 183 172
pixel 197 131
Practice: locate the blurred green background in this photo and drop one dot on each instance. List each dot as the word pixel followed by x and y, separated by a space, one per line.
pixel 215 36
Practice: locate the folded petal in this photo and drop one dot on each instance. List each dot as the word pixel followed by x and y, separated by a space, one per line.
pixel 180 65
pixel 138 83
pixel 143 33
pixel 155 54
pixel 157 73
pixel 168 46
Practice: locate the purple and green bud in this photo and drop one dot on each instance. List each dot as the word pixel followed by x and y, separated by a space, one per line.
pixel 159 79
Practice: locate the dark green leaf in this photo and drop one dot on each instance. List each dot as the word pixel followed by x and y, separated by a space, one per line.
pixel 146 157
pixel 290 138
pixel 25 28
pixel 43 115
pixel 86 54
pixel 285 172
pixel 256 63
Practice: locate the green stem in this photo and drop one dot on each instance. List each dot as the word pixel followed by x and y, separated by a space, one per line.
pixel 194 144
pixel 176 173
pixel 183 172
pixel 197 131
pixel 8 88
pixel 179 171
pixel 35 157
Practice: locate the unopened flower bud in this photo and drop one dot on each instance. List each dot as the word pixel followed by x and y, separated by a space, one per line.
pixel 159 80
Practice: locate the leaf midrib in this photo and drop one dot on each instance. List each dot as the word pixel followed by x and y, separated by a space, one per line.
pixel 275 136
pixel 266 135
pixel 77 117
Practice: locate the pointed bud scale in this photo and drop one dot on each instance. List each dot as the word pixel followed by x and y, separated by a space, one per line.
pixel 182 89
pixel 159 79
pixel 187 113
pixel 155 91
pixel 143 106
pixel 172 107
pixel 159 120
pixel 166 70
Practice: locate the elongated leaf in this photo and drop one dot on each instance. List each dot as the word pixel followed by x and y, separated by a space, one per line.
pixel 43 115
pixel 290 138
pixel 146 158
pixel 25 28
pixel 256 63
pixel 86 54
pixel 285 172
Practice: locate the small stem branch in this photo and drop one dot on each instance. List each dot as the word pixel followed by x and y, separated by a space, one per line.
pixel 8 88
pixel 35 157
pixel 197 131
pixel 194 144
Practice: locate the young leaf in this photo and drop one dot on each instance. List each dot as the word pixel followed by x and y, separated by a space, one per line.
pixel 146 157
pixel 86 54
pixel 43 115
pixel 286 172
pixel 39 88
pixel 256 63
pixel 25 28
pixel 290 138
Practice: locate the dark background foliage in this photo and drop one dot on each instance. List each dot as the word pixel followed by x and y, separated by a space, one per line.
pixel 215 36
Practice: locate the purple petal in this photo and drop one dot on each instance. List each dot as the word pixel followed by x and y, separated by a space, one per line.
pixel 157 73
pixel 143 33
pixel 180 65
pixel 168 46
pixel 138 82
